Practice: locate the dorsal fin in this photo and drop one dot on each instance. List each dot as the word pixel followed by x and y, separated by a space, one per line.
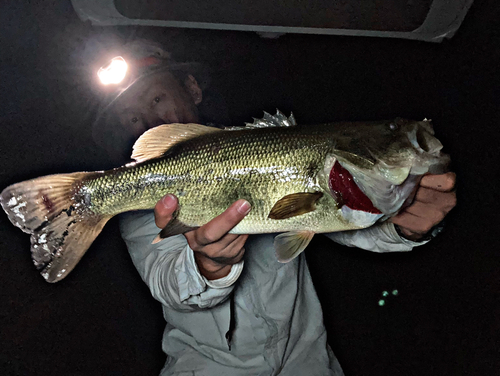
pixel 156 141
pixel 278 120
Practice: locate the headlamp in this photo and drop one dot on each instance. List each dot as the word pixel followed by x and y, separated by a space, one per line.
pixel 114 72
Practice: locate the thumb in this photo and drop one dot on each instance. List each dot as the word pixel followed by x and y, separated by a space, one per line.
pixel 164 210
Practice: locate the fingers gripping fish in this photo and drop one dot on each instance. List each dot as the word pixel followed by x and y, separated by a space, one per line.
pixel 300 180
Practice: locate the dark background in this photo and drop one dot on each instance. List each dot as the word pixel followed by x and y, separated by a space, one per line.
pixel 392 15
pixel 101 319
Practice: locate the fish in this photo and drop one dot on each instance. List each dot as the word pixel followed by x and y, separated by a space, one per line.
pixel 299 179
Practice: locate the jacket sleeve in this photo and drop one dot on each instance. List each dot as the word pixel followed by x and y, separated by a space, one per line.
pixel 380 238
pixel 169 267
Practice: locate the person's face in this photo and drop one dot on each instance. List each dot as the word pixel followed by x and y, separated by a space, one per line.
pixel 158 99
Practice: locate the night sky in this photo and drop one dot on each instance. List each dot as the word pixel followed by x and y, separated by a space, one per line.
pixel 101 319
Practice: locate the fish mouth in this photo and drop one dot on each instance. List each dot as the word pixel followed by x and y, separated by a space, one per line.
pixel 429 157
pixel 422 138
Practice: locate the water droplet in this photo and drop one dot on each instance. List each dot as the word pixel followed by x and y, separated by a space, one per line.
pixel 385 293
pixel 381 302
pixel 395 292
pixel 61 273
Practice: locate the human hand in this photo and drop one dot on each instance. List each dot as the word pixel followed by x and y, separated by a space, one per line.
pixel 434 199
pixel 215 250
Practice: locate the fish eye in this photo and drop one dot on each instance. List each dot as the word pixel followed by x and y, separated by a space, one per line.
pixel 134 119
pixel 157 100
pixel 393 126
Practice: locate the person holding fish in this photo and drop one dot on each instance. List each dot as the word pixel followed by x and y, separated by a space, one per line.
pixel 238 299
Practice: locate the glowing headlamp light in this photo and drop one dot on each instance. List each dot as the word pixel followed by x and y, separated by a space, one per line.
pixel 114 72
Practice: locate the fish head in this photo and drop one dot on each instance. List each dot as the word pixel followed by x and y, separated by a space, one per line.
pixel 384 161
pixel 402 147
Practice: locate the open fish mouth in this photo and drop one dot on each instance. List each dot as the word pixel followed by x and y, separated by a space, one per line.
pixel 427 148
pixel 422 138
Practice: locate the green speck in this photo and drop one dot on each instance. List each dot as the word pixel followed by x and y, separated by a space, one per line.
pixel 385 293
pixel 381 302
pixel 395 292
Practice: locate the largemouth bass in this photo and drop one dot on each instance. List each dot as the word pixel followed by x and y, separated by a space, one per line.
pixel 300 180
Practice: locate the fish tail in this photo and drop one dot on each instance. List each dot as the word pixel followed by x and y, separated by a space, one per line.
pixel 61 225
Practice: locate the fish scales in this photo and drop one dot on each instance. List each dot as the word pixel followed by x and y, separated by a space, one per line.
pixel 213 171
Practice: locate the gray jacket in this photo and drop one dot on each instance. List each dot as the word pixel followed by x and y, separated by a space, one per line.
pixel 278 323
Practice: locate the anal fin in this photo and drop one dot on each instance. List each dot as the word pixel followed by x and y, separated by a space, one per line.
pixel 174 227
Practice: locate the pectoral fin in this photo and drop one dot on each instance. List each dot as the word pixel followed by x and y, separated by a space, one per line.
pixel 295 204
pixel 291 244
pixel 174 227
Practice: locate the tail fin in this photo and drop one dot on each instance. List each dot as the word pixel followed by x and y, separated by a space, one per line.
pixel 62 227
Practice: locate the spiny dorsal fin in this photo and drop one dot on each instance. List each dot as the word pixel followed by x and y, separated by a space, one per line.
pixel 156 141
pixel 291 244
pixel 295 204
pixel 278 120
